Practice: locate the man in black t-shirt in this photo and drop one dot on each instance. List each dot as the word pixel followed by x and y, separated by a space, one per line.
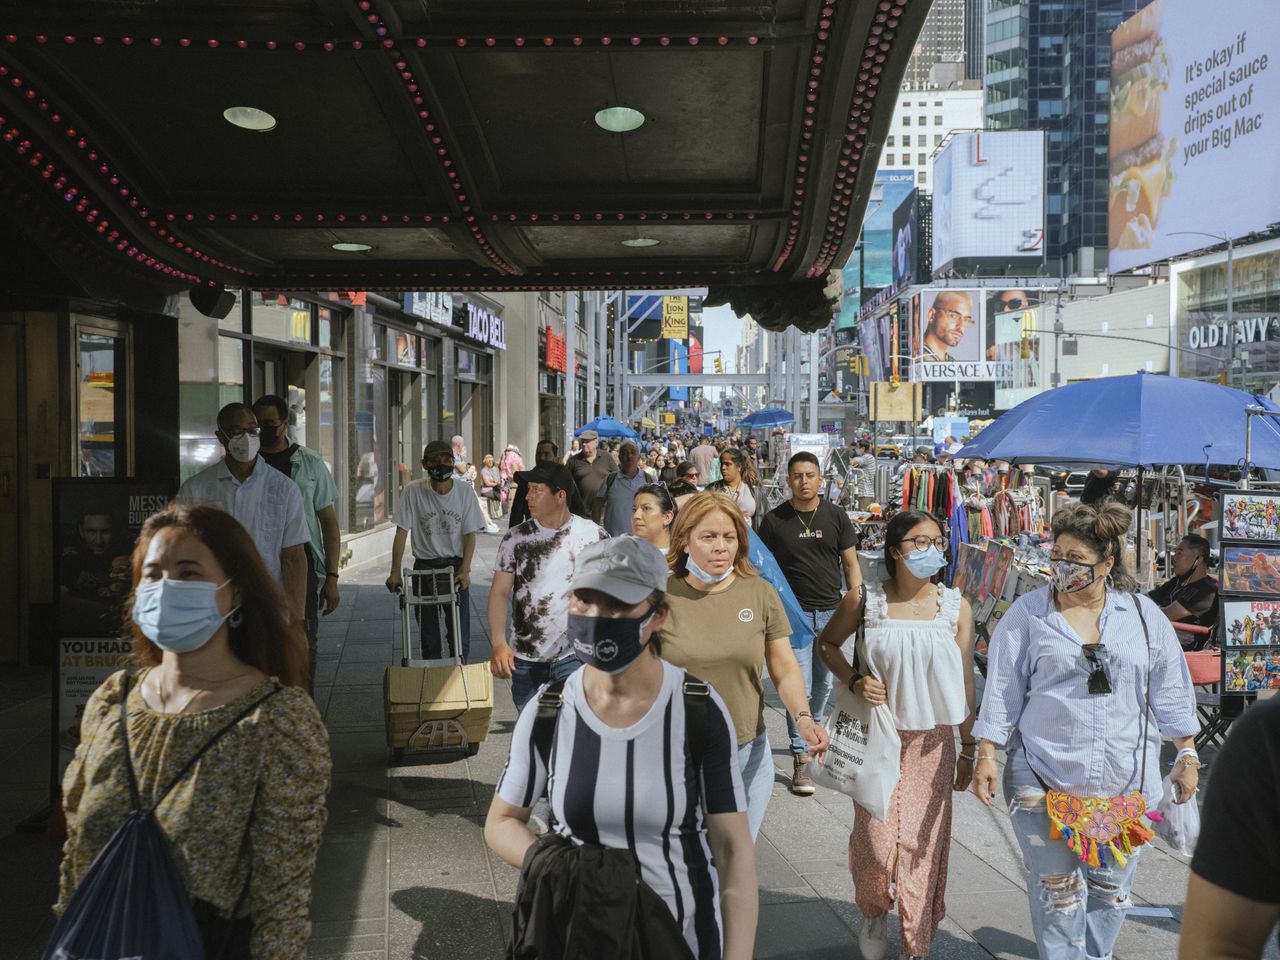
pixel 1191 594
pixel 813 542
pixel 1233 899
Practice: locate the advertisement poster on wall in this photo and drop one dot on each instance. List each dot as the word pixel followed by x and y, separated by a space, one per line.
pixel 678 354
pixel 951 331
pixel 906 234
pixel 1189 94
pixel 870 265
pixel 96 523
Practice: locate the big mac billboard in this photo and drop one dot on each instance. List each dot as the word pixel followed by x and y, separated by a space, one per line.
pixel 1191 146
pixel 988 202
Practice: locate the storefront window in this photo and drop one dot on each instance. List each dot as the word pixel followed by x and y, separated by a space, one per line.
pixel 100 402
pixel 368 482
pixel 326 432
pixel 281 319
pixel 403 348
pixel 330 324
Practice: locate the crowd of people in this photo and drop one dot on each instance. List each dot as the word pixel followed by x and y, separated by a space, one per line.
pixel 636 631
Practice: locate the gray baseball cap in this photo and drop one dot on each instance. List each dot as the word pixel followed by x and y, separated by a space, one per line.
pixel 626 568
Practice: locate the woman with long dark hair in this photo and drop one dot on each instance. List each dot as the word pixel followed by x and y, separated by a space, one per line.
pixel 653 512
pixel 1084 678
pixel 217 651
pixel 740 481
pixel 916 655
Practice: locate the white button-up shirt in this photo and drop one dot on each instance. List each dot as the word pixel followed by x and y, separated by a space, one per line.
pixel 268 505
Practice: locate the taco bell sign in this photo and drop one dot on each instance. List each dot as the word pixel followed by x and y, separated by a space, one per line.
pixel 485 327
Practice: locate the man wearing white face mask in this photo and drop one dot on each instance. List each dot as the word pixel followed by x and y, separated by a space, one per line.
pixel 265 501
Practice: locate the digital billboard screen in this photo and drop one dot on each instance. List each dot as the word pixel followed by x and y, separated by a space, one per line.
pixel 1188 146
pixel 988 200
pixel 906 233
pixel 876 250
pixel 950 328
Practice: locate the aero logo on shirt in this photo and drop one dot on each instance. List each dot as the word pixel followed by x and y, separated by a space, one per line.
pixel 746 615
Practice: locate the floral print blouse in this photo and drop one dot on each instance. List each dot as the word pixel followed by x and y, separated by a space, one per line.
pixel 257 796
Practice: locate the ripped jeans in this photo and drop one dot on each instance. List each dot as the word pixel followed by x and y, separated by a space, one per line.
pixel 1076 910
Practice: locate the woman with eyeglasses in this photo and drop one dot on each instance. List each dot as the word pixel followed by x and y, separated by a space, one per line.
pixel 916 656
pixel 1084 677
pixel 738 479
pixel 652 514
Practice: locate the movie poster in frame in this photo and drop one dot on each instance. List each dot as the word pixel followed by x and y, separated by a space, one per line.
pixel 1250 569
pixel 1250 516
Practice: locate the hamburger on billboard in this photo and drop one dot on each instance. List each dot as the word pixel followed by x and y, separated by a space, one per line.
pixel 1189 136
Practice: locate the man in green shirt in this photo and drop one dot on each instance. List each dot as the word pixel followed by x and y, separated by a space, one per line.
pixel 319 496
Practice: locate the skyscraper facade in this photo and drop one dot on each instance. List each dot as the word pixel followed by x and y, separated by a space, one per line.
pixel 974 44
pixel 942 40
pixel 1048 67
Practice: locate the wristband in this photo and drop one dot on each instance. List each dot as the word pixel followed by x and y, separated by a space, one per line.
pixel 986 756
pixel 802 714
pixel 330 573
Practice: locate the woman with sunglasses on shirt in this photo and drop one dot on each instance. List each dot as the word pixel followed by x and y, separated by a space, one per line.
pixel 918 646
pixel 1084 677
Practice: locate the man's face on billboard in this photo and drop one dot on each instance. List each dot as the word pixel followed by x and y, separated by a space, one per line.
pixel 95 531
pixel 1010 301
pixel 950 316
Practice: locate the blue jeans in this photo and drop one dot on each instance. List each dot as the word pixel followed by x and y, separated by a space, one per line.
pixel 817 679
pixel 436 622
pixel 755 760
pixel 530 675
pixel 1076 910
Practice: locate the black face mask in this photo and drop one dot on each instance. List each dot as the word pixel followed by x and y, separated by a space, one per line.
pixel 268 435
pixel 610 644
pixel 439 474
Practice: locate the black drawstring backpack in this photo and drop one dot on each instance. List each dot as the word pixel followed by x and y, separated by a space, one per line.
pixel 132 903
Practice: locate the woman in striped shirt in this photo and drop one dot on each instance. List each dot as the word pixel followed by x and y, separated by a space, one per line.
pixel 621 769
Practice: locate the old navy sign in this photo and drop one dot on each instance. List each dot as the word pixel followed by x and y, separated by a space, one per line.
pixel 485 327
pixel 1248 330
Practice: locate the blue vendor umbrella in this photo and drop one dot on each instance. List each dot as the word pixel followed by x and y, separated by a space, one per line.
pixel 768 417
pixel 1139 420
pixel 607 427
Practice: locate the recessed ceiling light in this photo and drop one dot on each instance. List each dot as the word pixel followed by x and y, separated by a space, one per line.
pixel 641 242
pixel 619 119
pixel 250 118
pixel 352 247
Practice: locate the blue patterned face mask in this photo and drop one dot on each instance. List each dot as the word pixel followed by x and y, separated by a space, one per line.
pixel 178 615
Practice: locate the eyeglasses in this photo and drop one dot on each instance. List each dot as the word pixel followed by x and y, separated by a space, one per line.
pixel 923 543
pixel 1099 682
pixel 1014 304
pixel 236 432
pixel 958 317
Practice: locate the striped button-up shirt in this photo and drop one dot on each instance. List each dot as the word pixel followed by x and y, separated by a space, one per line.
pixel 1037 696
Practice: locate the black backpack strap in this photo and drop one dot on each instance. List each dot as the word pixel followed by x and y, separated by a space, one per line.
pixel 697 701
pixel 124 736
pixel 544 724
pixel 209 743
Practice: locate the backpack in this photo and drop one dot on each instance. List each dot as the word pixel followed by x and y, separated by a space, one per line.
pixel 132 903
pixel 697 701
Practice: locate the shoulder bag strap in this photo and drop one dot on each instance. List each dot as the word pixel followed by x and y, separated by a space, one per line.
pixel 124 737
pixel 1146 697
pixel 544 724
pixel 697 701
pixel 210 742
pixel 862 630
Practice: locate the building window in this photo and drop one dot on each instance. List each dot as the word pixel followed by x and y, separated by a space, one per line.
pixel 937 121
pixel 937 139
pixel 923 178
pixel 921 159
pixel 888 160
pixel 889 142
pixel 906 140
pixel 921 121
pixel 906 121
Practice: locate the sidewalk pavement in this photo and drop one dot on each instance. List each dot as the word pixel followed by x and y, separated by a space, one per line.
pixel 404 872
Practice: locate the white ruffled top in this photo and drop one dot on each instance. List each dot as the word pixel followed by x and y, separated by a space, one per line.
pixel 918 661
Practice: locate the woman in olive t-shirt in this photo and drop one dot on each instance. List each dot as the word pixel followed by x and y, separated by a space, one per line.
pixel 724 620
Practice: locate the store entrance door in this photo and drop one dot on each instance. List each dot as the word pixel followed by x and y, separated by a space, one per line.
pixel 406 427
pixel 283 373
pixel 9 566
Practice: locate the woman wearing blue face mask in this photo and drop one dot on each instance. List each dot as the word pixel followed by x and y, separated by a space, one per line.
pixel 220 658
pixel 725 621
pixel 918 645
pixel 633 755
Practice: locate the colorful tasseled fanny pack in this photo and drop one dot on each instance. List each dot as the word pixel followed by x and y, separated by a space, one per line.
pixel 1105 830
pixel 1100 830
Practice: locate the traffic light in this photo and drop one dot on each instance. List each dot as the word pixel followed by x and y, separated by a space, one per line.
pixel 719 365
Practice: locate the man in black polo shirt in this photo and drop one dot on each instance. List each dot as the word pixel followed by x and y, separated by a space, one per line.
pixel 1191 594
pixel 812 540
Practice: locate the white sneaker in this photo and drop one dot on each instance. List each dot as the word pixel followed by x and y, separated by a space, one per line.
pixel 491 528
pixel 873 937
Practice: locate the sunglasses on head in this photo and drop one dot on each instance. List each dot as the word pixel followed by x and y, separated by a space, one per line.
pixel 1099 681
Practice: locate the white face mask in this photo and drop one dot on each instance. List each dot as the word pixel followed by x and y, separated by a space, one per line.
pixel 710 578
pixel 244 448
